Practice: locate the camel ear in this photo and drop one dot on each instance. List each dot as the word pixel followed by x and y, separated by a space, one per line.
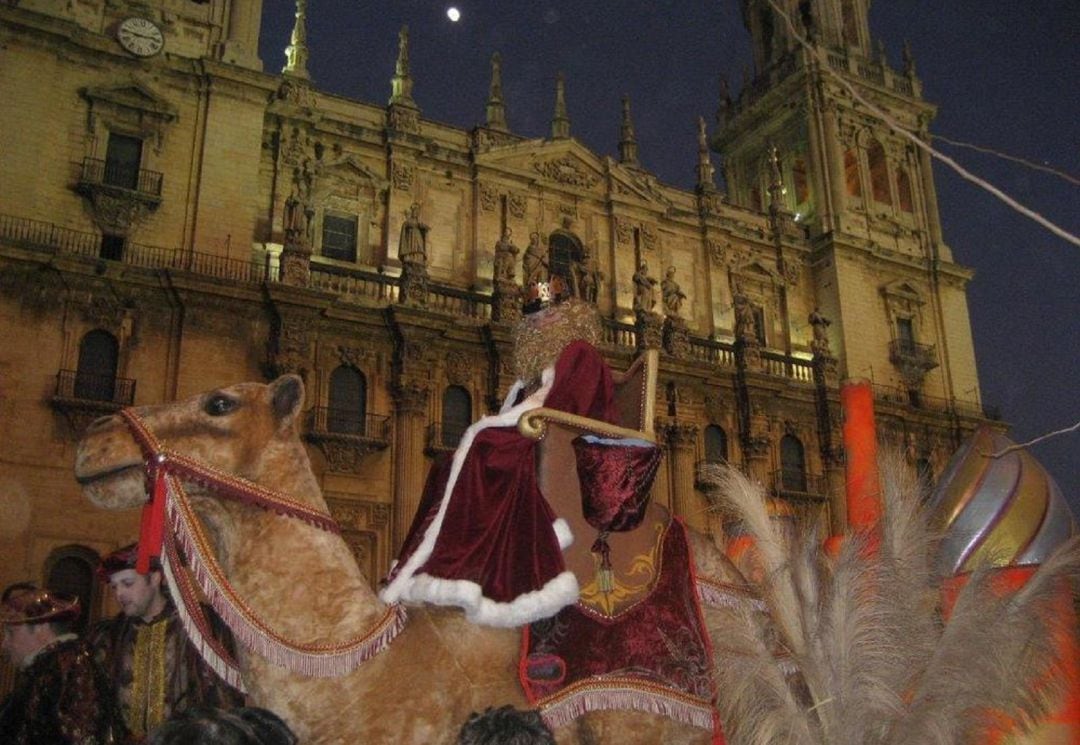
pixel 287 397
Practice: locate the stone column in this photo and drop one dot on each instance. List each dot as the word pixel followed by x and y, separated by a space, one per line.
pixel 241 47
pixel 834 161
pixel 411 397
pixel 686 501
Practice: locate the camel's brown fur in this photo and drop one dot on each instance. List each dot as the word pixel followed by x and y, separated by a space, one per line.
pixel 305 583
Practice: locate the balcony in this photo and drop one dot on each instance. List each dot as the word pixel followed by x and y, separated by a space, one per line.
pixel 345 437
pixel 913 360
pixel 799 486
pixel 443 438
pixel 83 397
pixel 97 173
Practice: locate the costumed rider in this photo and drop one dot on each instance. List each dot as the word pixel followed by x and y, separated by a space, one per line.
pixel 60 695
pixel 155 670
pixel 484 538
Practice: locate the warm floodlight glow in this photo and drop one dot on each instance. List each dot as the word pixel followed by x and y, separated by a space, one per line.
pixel 453 14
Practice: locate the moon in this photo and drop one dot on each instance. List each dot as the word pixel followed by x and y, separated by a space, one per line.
pixel 453 14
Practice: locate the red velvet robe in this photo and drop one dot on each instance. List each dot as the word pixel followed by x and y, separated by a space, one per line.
pixel 484 538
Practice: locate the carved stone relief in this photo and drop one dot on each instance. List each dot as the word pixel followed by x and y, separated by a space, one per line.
pixel 402 176
pixel 458 368
pixel 516 204
pixel 489 198
pixel 566 170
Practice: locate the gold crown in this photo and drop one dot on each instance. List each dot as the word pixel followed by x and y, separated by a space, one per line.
pixel 539 295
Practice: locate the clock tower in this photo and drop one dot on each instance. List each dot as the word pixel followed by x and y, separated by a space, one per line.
pixel 862 192
pixel 224 30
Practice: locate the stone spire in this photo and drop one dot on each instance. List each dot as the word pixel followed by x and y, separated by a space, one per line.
pixel 726 108
pixel 401 84
pixel 560 122
pixel 496 111
pixel 705 171
pixel 296 54
pixel 627 139
pixel 776 183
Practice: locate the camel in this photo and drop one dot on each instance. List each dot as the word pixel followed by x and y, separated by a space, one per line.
pixel 304 582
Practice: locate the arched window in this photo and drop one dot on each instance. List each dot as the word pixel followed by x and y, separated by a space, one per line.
pixel 755 199
pixel 850 23
pixel 564 252
pixel 879 173
pixel 456 414
pixel 95 376
pixel 903 191
pixel 851 173
pixel 348 401
pixel 792 464
pixel 799 181
pixel 70 571
pixel 715 444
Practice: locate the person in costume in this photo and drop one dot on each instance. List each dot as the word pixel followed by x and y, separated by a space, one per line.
pixel 144 650
pixel 60 695
pixel 484 538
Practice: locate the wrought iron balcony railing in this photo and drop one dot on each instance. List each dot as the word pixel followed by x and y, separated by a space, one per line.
pixel 904 352
pixel 790 483
pixel 97 172
pixel 323 420
pixel 76 385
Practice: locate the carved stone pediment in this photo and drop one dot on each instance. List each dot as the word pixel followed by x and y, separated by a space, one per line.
pixel 134 95
pixel 348 175
pixel 638 187
pixel 902 294
pixel 567 169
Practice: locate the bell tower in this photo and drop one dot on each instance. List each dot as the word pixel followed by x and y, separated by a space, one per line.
pixel 862 192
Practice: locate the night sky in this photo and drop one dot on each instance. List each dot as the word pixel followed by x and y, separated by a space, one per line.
pixel 1003 73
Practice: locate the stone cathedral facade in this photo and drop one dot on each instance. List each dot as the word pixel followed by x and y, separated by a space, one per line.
pixel 174 218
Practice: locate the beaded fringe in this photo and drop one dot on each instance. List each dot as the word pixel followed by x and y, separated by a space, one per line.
pixel 604 695
pixel 313 660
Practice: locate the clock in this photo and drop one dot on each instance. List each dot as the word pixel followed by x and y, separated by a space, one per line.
pixel 140 37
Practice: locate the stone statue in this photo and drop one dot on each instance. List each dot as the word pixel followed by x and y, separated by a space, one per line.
pixel 534 265
pixel 412 248
pixel 295 221
pixel 820 324
pixel 644 290
pixel 672 294
pixel 745 323
pixel 505 255
pixel 587 276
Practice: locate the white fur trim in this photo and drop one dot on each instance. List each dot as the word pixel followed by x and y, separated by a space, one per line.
pixel 559 592
pixel 563 533
pixel 407 584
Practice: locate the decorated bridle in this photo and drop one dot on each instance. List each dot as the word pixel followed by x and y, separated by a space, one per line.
pixel 165 473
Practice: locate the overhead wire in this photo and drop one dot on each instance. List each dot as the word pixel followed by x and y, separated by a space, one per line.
pixel 1005 156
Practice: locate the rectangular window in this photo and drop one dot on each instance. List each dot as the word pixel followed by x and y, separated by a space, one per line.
pixel 905 333
pixel 759 322
pixel 339 238
pixel 122 160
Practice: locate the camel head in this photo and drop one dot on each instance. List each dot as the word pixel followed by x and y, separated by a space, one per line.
pixel 248 429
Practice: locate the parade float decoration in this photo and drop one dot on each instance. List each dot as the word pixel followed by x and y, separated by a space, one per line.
pixel 940 621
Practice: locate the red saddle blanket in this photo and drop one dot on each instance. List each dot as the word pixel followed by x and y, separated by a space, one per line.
pixel 654 656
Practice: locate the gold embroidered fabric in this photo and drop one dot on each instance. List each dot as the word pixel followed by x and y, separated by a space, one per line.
pixel 147 708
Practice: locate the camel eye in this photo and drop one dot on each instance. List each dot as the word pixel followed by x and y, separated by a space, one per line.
pixel 220 405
